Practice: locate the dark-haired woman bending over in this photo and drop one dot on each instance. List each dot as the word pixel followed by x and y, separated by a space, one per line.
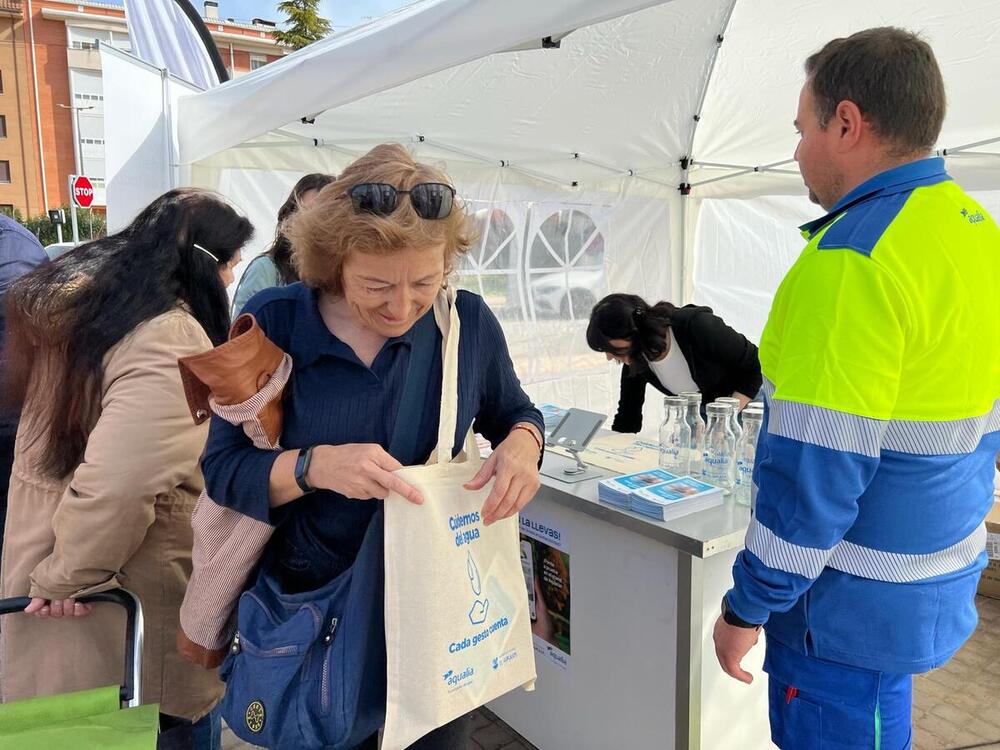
pixel 673 349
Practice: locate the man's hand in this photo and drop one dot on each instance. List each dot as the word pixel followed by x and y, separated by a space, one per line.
pixel 731 645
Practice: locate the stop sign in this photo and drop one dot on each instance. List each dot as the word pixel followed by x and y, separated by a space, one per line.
pixel 83 191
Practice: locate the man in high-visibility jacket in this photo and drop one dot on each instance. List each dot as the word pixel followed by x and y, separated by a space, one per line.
pixel 881 364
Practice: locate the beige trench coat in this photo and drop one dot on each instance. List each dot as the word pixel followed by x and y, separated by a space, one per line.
pixel 122 519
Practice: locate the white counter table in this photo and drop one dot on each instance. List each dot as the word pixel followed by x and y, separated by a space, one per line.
pixel 642 671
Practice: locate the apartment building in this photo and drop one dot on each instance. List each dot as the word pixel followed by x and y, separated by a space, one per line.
pixel 52 94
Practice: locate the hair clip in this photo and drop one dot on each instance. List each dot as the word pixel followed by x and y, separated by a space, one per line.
pixel 210 255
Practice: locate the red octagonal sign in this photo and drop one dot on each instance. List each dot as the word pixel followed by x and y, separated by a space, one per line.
pixel 83 191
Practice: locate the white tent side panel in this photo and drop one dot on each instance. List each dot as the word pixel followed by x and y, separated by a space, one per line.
pixel 138 132
pixel 742 250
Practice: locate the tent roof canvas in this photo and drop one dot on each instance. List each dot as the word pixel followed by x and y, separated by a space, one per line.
pixel 632 89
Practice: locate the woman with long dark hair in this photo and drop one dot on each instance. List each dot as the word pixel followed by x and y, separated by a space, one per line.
pixel 274 267
pixel 674 349
pixel 106 459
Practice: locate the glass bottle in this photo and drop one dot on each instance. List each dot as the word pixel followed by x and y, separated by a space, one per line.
pixel 746 452
pixel 718 457
pixel 734 421
pixel 697 425
pixel 675 436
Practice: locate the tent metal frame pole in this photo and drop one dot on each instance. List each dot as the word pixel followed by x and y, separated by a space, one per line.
pixel 716 165
pixel 687 734
pixel 621 172
pixel 967 146
pixel 543 160
pixel 725 177
pixel 277 144
pixel 751 170
pixel 339 150
pixel 501 163
pixel 354 141
pixel 703 94
pixel 971 153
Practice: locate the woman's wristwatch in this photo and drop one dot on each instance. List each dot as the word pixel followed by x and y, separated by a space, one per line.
pixel 302 468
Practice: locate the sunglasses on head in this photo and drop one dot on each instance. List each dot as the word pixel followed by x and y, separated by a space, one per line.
pixel 430 200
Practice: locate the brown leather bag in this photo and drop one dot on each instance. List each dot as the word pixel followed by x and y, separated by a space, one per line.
pixel 242 381
pixel 234 372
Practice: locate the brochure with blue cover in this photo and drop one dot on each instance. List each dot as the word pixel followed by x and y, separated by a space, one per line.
pixel 675 498
pixel 618 490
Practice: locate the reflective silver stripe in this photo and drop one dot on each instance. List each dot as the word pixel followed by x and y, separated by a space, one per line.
pixel 897 567
pixel 864 562
pixel 945 437
pixel 775 552
pixel 849 432
pixel 827 428
pixel 767 388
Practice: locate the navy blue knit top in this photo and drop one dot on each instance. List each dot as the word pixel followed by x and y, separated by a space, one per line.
pixel 333 399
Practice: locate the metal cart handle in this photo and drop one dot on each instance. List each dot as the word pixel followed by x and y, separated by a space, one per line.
pixel 131 690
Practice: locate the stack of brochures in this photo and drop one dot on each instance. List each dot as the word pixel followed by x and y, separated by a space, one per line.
pixel 675 498
pixel 618 491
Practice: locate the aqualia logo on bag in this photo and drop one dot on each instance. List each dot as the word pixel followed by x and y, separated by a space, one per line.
pixel 255 716
pixel 454 680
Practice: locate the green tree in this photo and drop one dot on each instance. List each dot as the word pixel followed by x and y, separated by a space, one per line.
pixel 304 24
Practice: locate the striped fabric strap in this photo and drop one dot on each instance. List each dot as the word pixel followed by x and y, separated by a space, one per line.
pixel 864 562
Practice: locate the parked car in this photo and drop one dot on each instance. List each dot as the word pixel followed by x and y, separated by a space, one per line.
pixel 553 293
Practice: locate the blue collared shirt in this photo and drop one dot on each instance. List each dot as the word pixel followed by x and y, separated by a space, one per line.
pixel 901 179
pixel 334 399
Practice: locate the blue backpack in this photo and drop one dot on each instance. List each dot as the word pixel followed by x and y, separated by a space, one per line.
pixel 308 670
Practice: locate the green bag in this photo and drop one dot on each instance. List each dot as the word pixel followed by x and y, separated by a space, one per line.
pixel 85 720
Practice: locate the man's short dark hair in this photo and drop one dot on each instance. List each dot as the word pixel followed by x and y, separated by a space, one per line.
pixel 893 77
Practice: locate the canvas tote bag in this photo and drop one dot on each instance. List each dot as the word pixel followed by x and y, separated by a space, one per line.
pixel 457 627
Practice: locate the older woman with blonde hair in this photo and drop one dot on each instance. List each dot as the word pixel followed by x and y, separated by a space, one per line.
pixel 373 251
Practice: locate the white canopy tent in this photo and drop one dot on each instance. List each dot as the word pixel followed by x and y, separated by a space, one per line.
pixel 568 126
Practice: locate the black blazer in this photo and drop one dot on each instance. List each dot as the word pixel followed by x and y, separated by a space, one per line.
pixel 722 361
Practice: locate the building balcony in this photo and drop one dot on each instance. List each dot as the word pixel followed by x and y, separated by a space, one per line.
pixel 86 59
pixel 10 7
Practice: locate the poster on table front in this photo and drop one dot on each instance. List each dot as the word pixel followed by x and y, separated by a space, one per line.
pixel 545 560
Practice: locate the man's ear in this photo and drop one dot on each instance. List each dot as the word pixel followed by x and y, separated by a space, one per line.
pixel 849 122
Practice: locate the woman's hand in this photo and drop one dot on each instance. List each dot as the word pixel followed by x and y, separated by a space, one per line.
pixel 57 608
pixel 358 470
pixel 515 465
